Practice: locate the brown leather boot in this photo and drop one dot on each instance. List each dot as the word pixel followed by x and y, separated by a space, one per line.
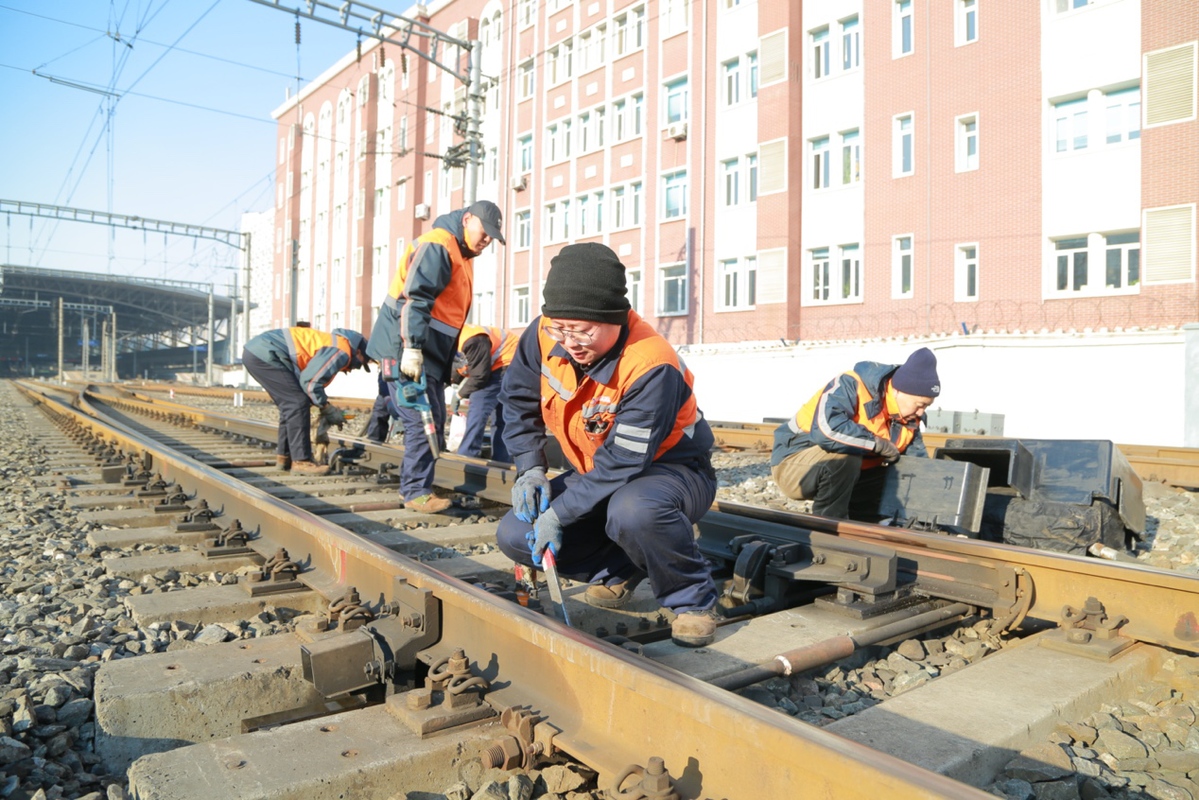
pixel 309 468
pixel 428 504
pixel 615 596
pixel 283 462
pixel 694 628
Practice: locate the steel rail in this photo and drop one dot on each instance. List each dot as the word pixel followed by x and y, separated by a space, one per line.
pixel 1161 605
pixel 612 708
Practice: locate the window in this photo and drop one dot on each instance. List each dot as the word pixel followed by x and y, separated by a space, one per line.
pixel 403 134
pixel 524 229
pixel 676 101
pixel 526 153
pixel 732 81
pixel 851 44
pixel 736 283
pixel 620 120
pixel 584 206
pixel 618 207
pixel 851 273
pixel 851 156
pixel 633 279
pixel 1123 115
pixel 364 87
pixel 966 142
pixel 361 145
pixel 1071 264
pixel 599 212
pixel 904 155
pixel 380 202
pixel 674 16
pixel 635 198
pixel 966 269
pixel 585 140
pixel 820 165
pixel 751 169
pixel 551 141
pixel 520 306
pixel 527 81
pixel 752 59
pixel 1123 260
pixel 902 44
pixel 565 130
pixel 674 192
pixel 966 21
pixel 527 12
pixel 378 260
pixel 1063 6
pixel 1070 125
pixel 820 55
pixel 672 290
pixel 820 274
pixel 601 123
pixel 901 266
pixel 637 112
pixel 732 181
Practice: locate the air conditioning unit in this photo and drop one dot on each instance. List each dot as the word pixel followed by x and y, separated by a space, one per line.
pixel 677 131
pixel 422 211
pixel 519 184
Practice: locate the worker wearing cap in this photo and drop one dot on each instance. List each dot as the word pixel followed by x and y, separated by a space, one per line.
pixel 833 450
pixel 487 353
pixel 619 402
pixel 416 332
pixel 294 365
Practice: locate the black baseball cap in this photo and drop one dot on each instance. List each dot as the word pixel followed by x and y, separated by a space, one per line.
pixel 489 214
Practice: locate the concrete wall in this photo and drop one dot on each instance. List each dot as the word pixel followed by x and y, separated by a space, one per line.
pixel 1127 387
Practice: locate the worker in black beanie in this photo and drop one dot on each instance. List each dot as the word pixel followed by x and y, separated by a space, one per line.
pixel 619 402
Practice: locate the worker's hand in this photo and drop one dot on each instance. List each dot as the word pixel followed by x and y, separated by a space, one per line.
pixel 531 494
pixel 412 363
pixel 389 368
pixel 547 533
pixel 886 450
pixel 333 415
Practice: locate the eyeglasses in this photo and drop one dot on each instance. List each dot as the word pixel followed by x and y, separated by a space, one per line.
pixel 583 338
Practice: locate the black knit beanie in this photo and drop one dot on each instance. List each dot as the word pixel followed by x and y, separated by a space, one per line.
pixel 918 375
pixel 586 282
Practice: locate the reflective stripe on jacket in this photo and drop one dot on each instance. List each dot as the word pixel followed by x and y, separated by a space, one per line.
pixel 503 344
pixel 428 299
pixel 846 415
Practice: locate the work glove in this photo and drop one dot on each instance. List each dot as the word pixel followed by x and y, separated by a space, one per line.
pixel 547 533
pixel 412 363
pixel 531 494
pixel 332 415
pixel 886 450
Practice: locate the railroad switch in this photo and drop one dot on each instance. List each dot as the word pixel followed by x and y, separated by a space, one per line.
pixel 229 542
pixel 1089 632
pixel 655 783
pixel 196 520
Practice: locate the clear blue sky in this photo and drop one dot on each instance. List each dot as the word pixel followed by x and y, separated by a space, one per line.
pixel 191 139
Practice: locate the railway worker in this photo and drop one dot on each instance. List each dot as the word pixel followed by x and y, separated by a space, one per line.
pixel 294 365
pixel 833 450
pixel 416 332
pixel 487 353
pixel 619 401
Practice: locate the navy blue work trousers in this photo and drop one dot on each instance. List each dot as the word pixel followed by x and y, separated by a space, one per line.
pixel 485 405
pixel 417 466
pixel 644 526
pixel 379 424
pixel 283 386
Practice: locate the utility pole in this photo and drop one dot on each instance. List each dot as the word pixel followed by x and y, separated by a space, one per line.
pixel 86 348
pixel 61 380
pixel 112 341
pixel 211 337
pixel 246 306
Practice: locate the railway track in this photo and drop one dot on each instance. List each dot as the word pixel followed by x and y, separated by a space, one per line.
pixel 409 671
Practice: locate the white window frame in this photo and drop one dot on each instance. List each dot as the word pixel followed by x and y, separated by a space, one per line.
pixel 751 173
pixel 903 257
pixel 851 156
pixel 525 144
pixel 730 171
pixel 731 74
pixel 636 293
pixel 674 188
pixel 821 168
pixel 675 91
pixel 821 55
pixel 521 307
pixel 1071 126
pixel 1066 6
pixel 851 43
pixel 965 262
pixel 524 229
pixel 899 133
pixel 673 284
pixel 819 275
pixel 528 79
pixel 1122 105
pixel 1126 249
pixel 965 135
pixel 1064 263
pixel 736 284
pixel 903 28
pixel 965 22
pixel 850 271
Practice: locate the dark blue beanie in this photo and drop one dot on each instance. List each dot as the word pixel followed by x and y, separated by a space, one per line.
pixel 918 375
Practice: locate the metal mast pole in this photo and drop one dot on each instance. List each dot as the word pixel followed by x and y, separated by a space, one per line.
pixel 61 325
pixel 86 347
pixel 211 337
pixel 474 116
pixel 246 307
pixel 112 359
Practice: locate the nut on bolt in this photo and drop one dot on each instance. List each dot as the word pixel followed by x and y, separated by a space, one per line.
pixel 504 753
pixel 656 781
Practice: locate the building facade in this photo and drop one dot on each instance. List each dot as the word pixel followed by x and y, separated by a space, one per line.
pixel 822 170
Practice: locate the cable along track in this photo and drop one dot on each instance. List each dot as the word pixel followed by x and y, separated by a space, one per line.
pixel 550 690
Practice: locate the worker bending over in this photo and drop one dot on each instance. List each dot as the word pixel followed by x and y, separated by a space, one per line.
pixel 294 365
pixel 832 451
pixel 488 352
pixel 618 400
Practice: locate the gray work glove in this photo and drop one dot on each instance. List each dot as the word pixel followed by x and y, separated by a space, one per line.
pixel 531 494
pixel 332 415
pixel 547 533
pixel 886 450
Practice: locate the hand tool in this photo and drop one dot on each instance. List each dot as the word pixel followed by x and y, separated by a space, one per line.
pixel 412 395
pixel 550 561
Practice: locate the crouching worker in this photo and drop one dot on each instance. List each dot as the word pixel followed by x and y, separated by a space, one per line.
pixel 294 365
pixel 833 451
pixel 617 398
